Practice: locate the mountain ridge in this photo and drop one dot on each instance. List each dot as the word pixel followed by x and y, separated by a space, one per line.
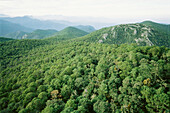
pixel 138 33
pixel 30 22
pixel 67 33
pixel 160 27
pixel 86 28
pixel 9 27
pixel 35 23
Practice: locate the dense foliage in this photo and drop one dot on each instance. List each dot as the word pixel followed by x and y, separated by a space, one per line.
pixel 3 39
pixel 48 76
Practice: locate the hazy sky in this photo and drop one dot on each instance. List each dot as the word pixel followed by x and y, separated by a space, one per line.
pixel 111 9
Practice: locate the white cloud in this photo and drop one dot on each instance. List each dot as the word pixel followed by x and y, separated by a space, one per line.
pixel 93 8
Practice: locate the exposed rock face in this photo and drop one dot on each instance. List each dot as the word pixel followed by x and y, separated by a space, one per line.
pixel 113 28
pixel 136 33
pixel 24 37
pixel 105 36
pixel 114 34
pixel 100 41
pixel 140 34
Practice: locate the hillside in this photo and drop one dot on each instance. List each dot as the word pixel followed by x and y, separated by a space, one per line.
pixel 8 27
pixel 87 28
pixel 76 76
pixel 17 35
pixel 69 33
pixel 37 34
pixel 40 34
pixel 66 34
pixel 3 39
pixel 159 27
pixel 129 33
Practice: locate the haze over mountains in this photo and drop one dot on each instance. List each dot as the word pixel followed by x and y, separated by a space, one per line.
pixel 9 27
pixel 33 23
pixel 18 25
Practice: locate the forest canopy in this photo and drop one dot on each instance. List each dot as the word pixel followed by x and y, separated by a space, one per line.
pixel 82 77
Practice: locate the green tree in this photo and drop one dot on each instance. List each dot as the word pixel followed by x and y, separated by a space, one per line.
pixel 101 107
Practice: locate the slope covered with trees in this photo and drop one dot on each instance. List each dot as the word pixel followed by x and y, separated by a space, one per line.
pixel 3 39
pixel 140 34
pixel 74 76
pixel 37 34
pixel 160 27
pixel 17 35
pixel 71 31
pixel 40 34
pixel 66 34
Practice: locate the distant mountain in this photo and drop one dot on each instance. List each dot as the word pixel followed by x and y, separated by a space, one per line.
pixel 72 31
pixel 97 22
pixel 87 28
pixel 140 34
pixel 40 34
pixel 8 27
pixel 3 39
pixel 68 33
pixel 35 23
pixel 160 27
pixel 3 15
pixel 17 35
pixel 37 34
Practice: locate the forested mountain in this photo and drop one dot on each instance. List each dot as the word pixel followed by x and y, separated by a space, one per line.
pixel 88 28
pixel 40 34
pixel 17 35
pixel 37 34
pixel 165 28
pixel 3 39
pixel 66 34
pixel 33 23
pixel 129 33
pixel 8 27
pixel 71 32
